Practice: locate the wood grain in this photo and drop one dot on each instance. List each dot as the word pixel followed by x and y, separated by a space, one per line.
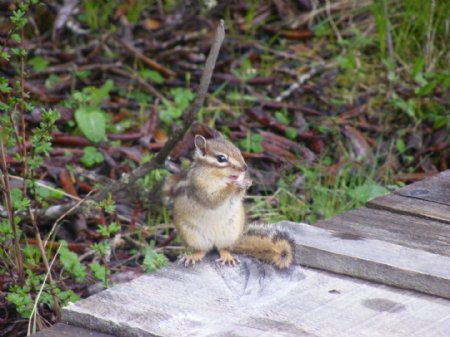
pixel 253 299
pixel 65 330
pixel 435 189
pixel 406 230
pixel 412 206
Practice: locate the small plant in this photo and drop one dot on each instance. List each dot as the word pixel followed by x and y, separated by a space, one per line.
pixel 90 118
pixel 103 248
pixel 23 262
pixel 252 143
pixel 71 263
pixel 173 110
pixel 151 75
pixel 91 156
pixel 38 63
pixel 153 260
pixel 318 194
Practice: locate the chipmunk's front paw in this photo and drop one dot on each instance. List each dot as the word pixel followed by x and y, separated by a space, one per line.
pixel 227 259
pixel 191 260
pixel 243 184
pixel 246 183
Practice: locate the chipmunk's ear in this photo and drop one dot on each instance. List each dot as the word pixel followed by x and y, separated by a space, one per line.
pixel 200 145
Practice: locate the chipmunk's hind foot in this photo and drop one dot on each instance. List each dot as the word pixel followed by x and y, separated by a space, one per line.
pixel 227 259
pixel 192 259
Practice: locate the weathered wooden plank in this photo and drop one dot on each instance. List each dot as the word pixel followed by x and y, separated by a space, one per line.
pixel 370 259
pixel 412 206
pixel 406 230
pixel 65 330
pixel 253 299
pixel 434 189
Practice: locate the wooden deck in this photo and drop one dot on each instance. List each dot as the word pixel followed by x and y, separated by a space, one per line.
pixel 401 239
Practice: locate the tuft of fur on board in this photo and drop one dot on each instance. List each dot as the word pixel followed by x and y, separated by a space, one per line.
pixel 267 243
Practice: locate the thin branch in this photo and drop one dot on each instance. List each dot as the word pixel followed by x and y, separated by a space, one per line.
pixel 300 81
pixel 36 300
pixel 63 216
pixel 189 117
pixel 148 61
pixel 132 75
pixel 388 32
pixel 5 182
pixel 41 247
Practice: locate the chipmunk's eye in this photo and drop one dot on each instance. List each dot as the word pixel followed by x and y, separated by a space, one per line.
pixel 221 158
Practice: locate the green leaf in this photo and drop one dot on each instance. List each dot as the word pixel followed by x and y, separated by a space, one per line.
pixel 92 123
pixel 107 231
pixel 71 263
pixel 291 133
pixel 19 202
pixel 98 94
pixel 22 301
pixel 182 97
pixel 153 260
pixel 4 85
pixel 38 63
pixel 91 157
pixel 400 145
pixel 18 18
pixel 151 75
pixel 46 193
pixel 4 55
pixel 51 81
pixel 418 66
pixel 367 192
pixel 108 204
pixel 83 74
pixel 102 248
pixel 98 270
pixel 427 88
pixel 281 117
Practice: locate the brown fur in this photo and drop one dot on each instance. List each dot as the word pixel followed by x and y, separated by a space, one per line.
pixel 277 250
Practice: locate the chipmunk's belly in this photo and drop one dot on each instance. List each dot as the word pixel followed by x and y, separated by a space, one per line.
pixel 204 229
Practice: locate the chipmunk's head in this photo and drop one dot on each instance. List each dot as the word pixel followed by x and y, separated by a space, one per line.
pixel 223 157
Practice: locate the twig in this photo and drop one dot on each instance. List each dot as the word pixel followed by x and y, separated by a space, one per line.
pixel 159 160
pixel 388 32
pixel 139 80
pixel 45 260
pixel 36 301
pixel 37 183
pixel 148 61
pixel 4 178
pixel 333 24
pixel 63 216
pixel 301 80
pixel 70 66
pixel 189 117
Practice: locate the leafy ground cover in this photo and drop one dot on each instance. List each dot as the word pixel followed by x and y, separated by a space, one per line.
pixel 331 102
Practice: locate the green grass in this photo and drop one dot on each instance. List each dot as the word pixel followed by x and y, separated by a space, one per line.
pixel 317 193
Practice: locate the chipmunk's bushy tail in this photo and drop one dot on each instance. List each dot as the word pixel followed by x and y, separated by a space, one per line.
pixel 266 243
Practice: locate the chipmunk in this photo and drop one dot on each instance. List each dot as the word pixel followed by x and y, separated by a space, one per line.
pixel 208 209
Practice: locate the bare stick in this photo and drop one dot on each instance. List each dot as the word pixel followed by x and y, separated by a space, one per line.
pixel 45 260
pixel 36 301
pixel 388 31
pixel 300 81
pixel 63 216
pixel 188 119
pixel 4 179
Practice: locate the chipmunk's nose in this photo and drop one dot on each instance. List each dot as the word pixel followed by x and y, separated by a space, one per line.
pixel 244 168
